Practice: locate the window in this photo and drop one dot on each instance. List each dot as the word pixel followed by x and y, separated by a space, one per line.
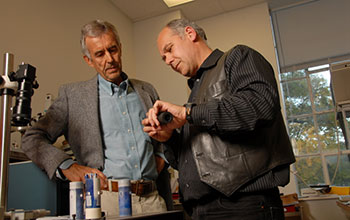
pixel 322 156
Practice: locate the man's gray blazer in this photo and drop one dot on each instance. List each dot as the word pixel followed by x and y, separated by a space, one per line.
pixel 75 114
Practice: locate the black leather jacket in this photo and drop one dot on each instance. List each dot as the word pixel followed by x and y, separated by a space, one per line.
pixel 226 162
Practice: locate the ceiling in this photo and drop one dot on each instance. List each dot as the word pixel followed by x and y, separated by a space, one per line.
pixel 138 10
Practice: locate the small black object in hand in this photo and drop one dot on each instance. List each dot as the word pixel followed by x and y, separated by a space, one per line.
pixel 164 117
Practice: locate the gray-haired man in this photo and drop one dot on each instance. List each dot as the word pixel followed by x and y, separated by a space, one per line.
pixel 101 120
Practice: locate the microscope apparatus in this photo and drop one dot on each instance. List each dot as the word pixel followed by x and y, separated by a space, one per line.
pixel 20 84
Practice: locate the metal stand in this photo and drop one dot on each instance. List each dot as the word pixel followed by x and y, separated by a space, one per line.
pixel 6 103
pixel 20 84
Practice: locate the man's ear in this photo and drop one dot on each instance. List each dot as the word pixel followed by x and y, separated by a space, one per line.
pixel 191 33
pixel 88 60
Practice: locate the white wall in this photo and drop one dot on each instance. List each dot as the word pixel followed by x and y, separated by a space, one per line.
pixel 170 85
pixel 249 26
pixel 46 33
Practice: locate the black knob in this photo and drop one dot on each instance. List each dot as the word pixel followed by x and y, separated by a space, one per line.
pixel 164 117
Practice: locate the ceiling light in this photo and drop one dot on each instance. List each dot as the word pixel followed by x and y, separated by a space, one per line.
pixel 172 3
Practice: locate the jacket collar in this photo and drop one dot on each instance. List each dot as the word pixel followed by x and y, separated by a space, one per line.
pixel 208 63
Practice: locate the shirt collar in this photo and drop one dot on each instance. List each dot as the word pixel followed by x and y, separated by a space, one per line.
pixel 112 88
pixel 208 63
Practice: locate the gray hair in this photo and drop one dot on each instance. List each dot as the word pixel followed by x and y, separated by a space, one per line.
pixel 95 29
pixel 178 26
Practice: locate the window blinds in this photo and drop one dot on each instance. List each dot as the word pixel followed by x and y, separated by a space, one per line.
pixel 312 33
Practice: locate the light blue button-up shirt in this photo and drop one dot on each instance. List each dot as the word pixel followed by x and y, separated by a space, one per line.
pixel 128 149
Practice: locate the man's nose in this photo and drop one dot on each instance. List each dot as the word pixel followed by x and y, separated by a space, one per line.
pixel 168 60
pixel 109 57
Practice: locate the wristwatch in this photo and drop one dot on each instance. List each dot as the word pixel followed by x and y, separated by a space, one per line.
pixel 189 107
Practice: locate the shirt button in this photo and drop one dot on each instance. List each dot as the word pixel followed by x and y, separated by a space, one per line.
pixel 187 185
pixel 129 130
pixel 136 166
pixel 185 161
pixel 203 122
pixel 132 148
pixel 124 113
pixel 120 97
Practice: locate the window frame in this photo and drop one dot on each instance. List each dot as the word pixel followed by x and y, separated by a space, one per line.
pixel 314 113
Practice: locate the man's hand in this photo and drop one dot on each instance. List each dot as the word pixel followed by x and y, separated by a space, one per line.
pixel 163 132
pixel 159 134
pixel 77 172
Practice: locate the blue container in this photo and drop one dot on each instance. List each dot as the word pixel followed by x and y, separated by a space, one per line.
pixel 92 188
pixel 76 200
pixel 124 198
pixel 92 196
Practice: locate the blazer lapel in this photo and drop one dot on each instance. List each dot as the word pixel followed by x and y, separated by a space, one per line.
pixel 145 98
pixel 91 105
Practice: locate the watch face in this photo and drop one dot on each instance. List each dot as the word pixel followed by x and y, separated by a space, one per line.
pixel 188 111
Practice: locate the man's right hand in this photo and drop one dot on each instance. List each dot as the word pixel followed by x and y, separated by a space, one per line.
pixel 77 172
pixel 160 132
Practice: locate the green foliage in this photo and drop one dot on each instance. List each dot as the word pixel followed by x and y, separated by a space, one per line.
pixel 314 131
pixel 310 170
